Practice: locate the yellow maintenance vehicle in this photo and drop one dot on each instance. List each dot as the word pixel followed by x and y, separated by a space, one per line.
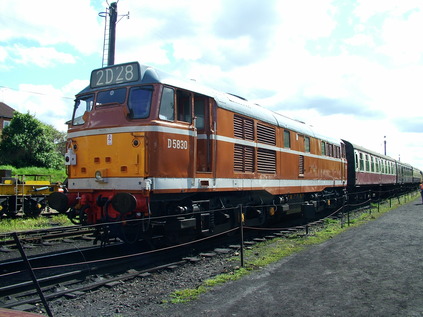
pixel 26 194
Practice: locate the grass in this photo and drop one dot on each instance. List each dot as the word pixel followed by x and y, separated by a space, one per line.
pixel 56 175
pixel 27 224
pixel 271 251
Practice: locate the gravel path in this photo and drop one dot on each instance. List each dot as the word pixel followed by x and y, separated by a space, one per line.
pixel 373 270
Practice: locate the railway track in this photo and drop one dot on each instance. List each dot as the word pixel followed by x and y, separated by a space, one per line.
pixel 64 278
pixel 36 238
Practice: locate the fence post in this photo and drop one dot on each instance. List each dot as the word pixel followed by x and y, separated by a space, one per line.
pixel 31 272
pixel 390 201
pixel 348 217
pixel 241 227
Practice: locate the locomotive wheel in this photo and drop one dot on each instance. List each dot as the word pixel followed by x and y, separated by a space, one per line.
pixel 78 216
pixel 33 208
pixel 4 208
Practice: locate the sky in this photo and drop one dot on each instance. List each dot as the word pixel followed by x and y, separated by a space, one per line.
pixel 352 69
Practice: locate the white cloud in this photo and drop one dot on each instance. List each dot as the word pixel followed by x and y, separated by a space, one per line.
pixel 45 102
pixel 401 38
pixel 394 25
pixel 306 19
pixel 50 22
pixel 3 54
pixel 360 40
pixel 39 56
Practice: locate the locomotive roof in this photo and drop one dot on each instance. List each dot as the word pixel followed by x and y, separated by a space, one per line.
pixel 151 75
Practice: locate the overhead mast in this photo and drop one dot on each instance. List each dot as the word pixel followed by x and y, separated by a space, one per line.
pixel 112 33
pixel 109 43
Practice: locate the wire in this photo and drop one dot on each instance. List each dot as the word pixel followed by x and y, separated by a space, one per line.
pixel 35 93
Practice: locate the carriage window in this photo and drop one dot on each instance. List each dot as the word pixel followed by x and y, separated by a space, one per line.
pixel 140 101
pixel 167 105
pixel 356 162
pixel 183 106
pixel 82 104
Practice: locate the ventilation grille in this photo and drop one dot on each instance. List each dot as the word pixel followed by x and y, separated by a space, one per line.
pixel 243 128
pixel 243 158
pixel 266 161
pixel 266 134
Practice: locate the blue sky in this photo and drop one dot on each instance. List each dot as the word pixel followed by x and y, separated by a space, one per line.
pixel 352 69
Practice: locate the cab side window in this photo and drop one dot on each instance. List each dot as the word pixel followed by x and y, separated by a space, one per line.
pixel 82 104
pixel 199 111
pixel 167 105
pixel 140 101
pixel 183 106
pixel 176 105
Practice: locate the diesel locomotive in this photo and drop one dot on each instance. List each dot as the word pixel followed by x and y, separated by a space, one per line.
pixel 143 144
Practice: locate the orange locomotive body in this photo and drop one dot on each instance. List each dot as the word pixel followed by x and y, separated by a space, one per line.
pixel 143 144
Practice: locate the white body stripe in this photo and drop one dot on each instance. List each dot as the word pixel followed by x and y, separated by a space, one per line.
pixel 146 128
pixel 194 134
pixel 193 183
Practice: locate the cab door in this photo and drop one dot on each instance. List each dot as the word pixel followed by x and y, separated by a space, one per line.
pixel 203 151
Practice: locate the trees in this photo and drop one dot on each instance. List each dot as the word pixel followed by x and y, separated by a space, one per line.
pixel 28 142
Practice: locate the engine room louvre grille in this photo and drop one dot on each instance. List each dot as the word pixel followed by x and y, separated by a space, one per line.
pixel 266 134
pixel 243 158
pixel 266 161
pixel 243 128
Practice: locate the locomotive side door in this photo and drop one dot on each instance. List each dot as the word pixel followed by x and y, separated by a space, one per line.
pixel 203 153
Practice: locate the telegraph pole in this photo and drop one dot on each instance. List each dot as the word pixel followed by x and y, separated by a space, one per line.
pixel 109 44
pixel 384 144
pixel 112 33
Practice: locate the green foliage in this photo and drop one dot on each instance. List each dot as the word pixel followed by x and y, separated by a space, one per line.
pixel 58 138
pixel 28 142
pixel 57 175
pixel 186 295
pixel 223 278
pixel 16 225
